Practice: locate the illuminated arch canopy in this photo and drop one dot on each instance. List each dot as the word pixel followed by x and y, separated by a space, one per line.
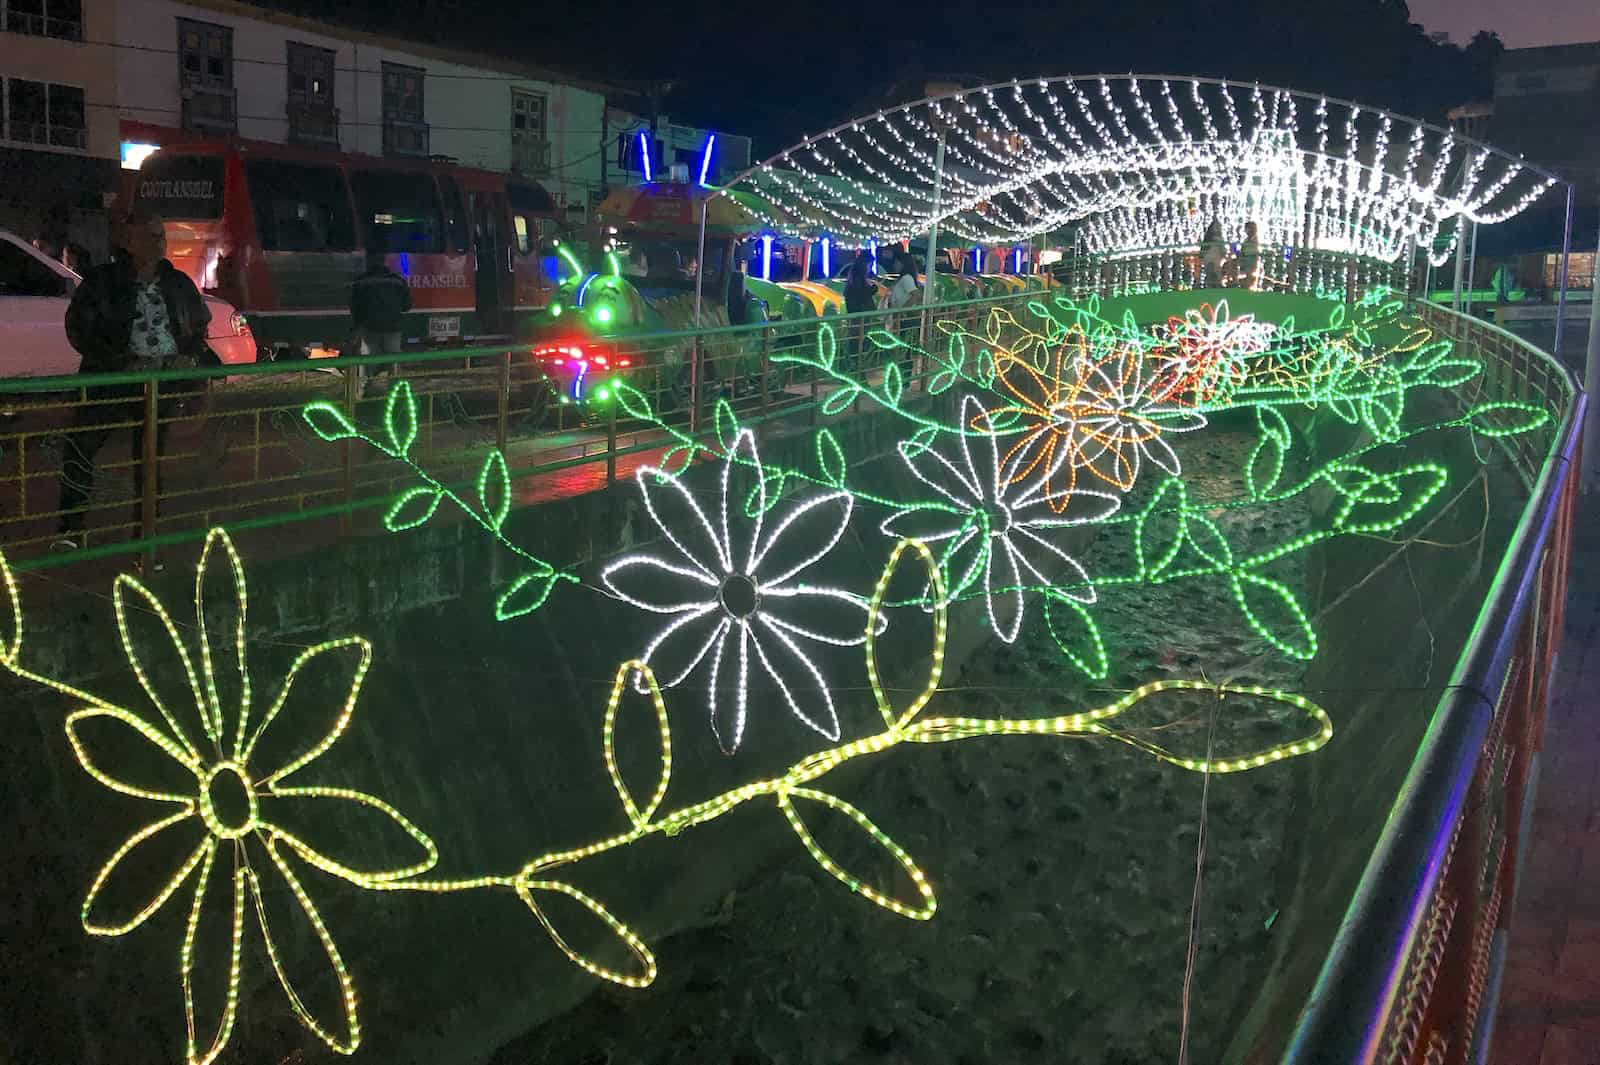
pixel 1140 162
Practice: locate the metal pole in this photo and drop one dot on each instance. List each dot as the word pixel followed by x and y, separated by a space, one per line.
pixel 1461 264
pixel 699 301
pixel 150 461
pixel 1472 267
pixel 933 240
pixel 1561 298
pixel 1591 378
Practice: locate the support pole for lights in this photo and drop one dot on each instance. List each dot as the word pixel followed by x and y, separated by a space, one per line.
pixel 1561 300
pixel 1461 262
pixel 1591 380
pixel 1472 267
pixel 696 356
pixel 933 240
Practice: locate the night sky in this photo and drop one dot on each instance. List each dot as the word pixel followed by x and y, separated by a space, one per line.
pixel 778 71
pixel 1519 24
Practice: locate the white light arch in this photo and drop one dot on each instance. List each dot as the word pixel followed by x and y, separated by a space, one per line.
pixel 1117 153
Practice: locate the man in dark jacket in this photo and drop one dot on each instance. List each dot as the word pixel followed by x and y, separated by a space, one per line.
pixel 379 300
pixel 137 312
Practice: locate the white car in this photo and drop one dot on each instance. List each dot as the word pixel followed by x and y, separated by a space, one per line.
pixel 34 293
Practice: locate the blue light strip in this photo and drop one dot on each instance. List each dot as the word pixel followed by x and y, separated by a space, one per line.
pixel 766 256
pixel 705 159
pixel 577 382
pixel 644 154
pixel 585 287
pixel 1019 260
pixel 873 245
pixel 827 261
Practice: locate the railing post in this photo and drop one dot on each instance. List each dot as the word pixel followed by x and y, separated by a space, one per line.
pixel 150 462
pixel 766 348
pixel 503 400
pixel 352 391
pixel 611 441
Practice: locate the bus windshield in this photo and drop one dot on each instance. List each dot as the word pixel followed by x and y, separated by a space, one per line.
pixel 181 187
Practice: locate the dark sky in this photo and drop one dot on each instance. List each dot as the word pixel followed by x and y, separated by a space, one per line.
pixel 781 70
pixel 1520 23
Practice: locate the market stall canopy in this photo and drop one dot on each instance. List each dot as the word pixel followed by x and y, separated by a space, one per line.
pixel 1001 163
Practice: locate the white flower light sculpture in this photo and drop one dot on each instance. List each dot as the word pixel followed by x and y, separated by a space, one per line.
pixel 733 594
pixel 990 525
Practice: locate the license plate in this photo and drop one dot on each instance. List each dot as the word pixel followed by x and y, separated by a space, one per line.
pixel 444 328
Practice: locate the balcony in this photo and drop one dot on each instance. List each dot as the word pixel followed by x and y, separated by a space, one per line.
pixel 405 137
pixel 210 109
pixel 530 156
pixel 315 125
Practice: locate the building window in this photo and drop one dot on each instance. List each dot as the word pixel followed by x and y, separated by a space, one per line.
pixel 38 112
pixel 205 74
pixel 405 132
pixel 530 144
pixel 312 117
pixel 44 18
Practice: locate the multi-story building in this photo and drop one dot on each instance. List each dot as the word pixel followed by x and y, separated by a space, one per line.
pixel 58 137
pixel 224 69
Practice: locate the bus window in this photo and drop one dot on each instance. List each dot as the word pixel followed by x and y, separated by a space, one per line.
pixel 184 187
pixel 399 211
pixel 455 214
pixel 300 207
pixel 529 204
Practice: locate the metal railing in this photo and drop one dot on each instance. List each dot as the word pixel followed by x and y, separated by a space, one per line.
pixel 228 445
pixel 1412 973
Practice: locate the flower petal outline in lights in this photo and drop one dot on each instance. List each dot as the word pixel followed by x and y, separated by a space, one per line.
pixel 991 529
pixel 732 588
pixel 205 732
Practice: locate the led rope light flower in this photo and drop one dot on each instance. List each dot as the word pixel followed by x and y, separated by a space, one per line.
pixel 234 816
pixel 988 527
pixel 733 589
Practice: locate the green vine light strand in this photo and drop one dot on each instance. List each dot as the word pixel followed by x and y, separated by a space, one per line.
pixel 258 845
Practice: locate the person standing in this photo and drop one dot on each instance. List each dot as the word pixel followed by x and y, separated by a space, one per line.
pixel 1250 257
pixel 137 312
pixel 859 298
pixel 1213 253
pixel 379 301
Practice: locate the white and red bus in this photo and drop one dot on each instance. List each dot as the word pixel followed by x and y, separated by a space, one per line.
pixel 280 232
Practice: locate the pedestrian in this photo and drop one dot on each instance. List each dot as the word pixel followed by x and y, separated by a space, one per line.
pixel 1250 256
pixel 135 313
pixel 859 298
pixel 905 293
pixel 379 301
pixel 1213 252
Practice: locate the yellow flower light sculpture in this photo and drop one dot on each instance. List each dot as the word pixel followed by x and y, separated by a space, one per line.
pixel 239 815
pixel 235 817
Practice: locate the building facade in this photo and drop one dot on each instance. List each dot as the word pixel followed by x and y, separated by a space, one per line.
pixel 216 68
pixel 58 128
